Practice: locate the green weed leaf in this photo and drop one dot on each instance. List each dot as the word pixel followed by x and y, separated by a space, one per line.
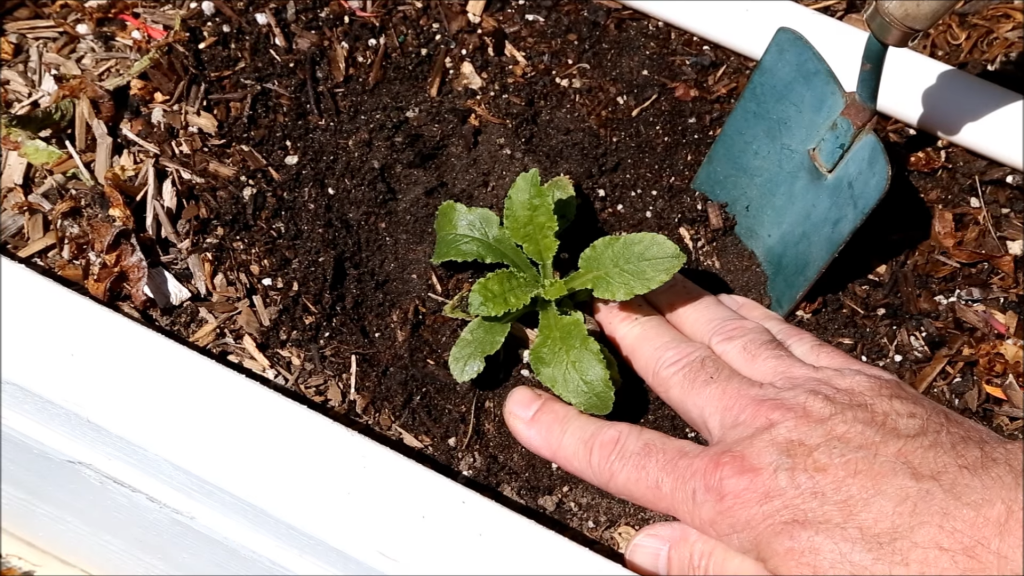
pixel 500 292
pixel 564 197
pixel 621 267
pixel 569 362
pixel 530 217
pixel 465 233
pixel 554 289
pixel 478 341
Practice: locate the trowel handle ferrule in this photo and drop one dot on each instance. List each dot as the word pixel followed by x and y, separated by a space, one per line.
pixel 896 22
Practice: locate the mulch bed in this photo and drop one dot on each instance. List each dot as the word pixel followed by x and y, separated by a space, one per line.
pixel 260 179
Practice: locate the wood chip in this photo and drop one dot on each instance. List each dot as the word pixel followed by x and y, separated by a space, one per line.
pixel 338 58
pixel 151 201
pixel 377 70
pixel 261 310
pixel 195 264
pixel 335 396
pixel 252 157
pixel 715 220
pixel 86 175
pixel 15 167
pixel 1013 392
pixel 409 439
pixel 131 136
pixel 687 238
pixel 203 121
pixel 475 7
pixel 247 320
pixel 34 227
pixel 204 336
pixel 928 375
pixel 222 170
pixel 973 317
pixel 41 244
pixel 250 347
pixel 279 38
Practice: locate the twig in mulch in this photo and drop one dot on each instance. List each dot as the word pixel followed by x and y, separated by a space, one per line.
pixel 986 216
pixel 352 378
pixel 641 107
pixel 86 175
pixel 310 91
pixel 377 71
pixel 437 72
pixel 472 421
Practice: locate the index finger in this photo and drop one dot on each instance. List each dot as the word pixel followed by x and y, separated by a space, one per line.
pixel 687 375
pixel 643 466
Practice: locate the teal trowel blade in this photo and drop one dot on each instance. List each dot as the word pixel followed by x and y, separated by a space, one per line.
pixel 793 215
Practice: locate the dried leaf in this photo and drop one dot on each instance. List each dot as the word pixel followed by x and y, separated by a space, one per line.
pixel 994 391
pixel 927 160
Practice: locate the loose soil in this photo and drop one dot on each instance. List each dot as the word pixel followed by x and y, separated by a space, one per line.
pixel 336 233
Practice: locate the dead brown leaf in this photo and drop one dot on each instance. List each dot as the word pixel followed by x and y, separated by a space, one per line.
pixel 927 160
pixel 685 92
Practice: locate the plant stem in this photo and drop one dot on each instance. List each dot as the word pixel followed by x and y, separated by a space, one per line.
pixel 547 271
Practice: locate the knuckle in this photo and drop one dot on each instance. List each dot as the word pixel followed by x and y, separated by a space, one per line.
pixel 731 332
pixel 613 451
pixel 695 363
pixel 730 477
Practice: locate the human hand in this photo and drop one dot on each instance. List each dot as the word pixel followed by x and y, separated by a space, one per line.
pixel 816 463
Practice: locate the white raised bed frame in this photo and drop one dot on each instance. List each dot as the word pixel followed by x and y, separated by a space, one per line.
pixel 124 452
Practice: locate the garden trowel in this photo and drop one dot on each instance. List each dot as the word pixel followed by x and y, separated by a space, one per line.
pixel 798 162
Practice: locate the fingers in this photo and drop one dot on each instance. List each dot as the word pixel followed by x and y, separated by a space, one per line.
pixel 801 343
pixel 675 548
pixel 746 346
pixel 687 375
pixel 643 466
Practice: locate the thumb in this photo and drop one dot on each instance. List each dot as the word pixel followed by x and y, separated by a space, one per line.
pixel 675 548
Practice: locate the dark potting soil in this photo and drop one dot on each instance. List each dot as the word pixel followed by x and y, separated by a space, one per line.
pixel 346 234
pixel 335 233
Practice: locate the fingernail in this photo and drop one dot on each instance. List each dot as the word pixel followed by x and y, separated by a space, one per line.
pixel 648 554
pixel 523 402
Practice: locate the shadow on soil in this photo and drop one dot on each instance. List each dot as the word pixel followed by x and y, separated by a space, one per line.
pixel 899 222
pixel 364 429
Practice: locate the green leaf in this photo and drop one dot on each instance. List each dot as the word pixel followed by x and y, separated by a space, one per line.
pixel 478 341
pixel 613 366
pixel 458 307
pixel 621 267
pixel 37 152
pixel 569 362
pixel 554 289
pixel 475 234
pixel 564 197
pixel 501 292
pixel 530 218
pixel 38 120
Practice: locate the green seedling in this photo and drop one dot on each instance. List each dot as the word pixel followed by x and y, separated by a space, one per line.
pixel 564 356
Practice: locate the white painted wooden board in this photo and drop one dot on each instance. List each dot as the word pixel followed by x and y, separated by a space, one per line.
pixel 124 452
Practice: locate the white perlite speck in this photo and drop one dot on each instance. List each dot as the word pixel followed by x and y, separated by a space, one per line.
pixel 261 19
pixel 291 160
pixel 208 8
